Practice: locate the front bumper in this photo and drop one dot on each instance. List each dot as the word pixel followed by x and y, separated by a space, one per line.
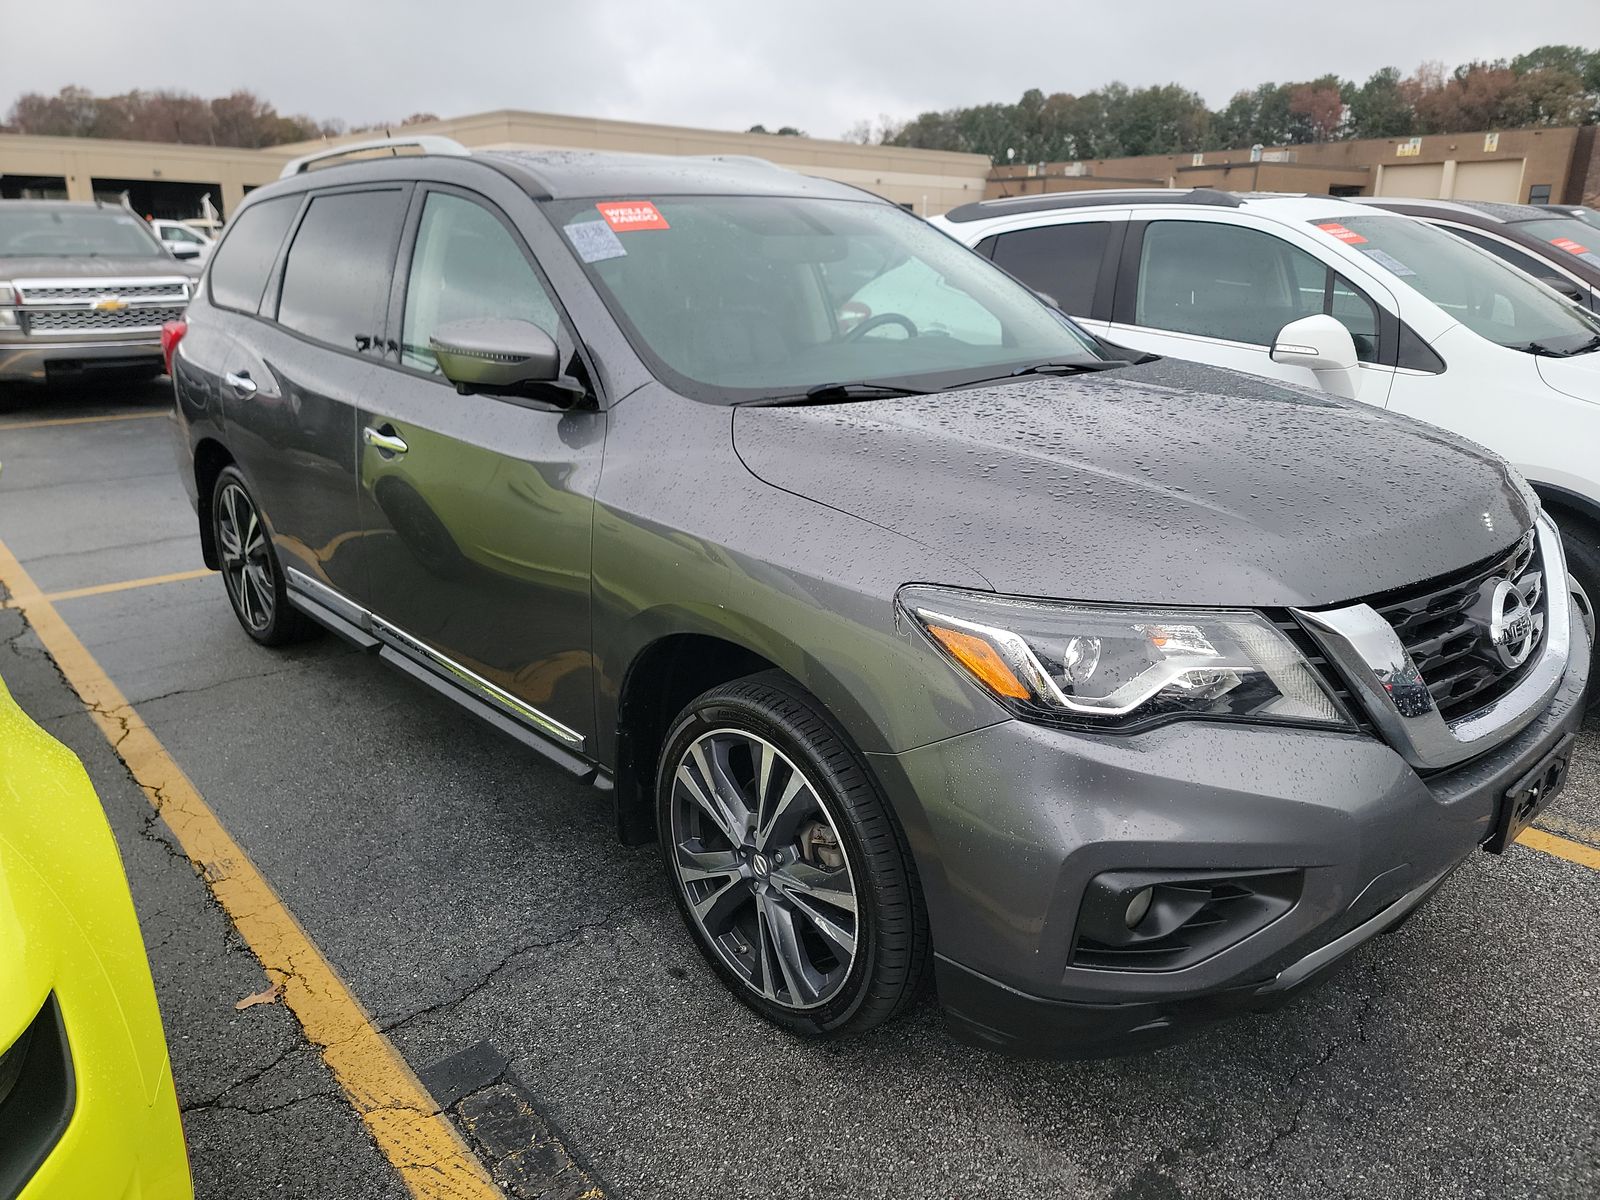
pixel 1010 824
pixel 39 360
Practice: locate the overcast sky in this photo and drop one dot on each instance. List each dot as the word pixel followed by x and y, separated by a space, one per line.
pixel 726 64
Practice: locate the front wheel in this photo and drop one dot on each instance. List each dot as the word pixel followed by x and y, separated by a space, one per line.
pixel 250 568
pixel 1581 540
pixel 785 862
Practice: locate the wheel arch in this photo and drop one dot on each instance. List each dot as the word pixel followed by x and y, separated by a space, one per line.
pixel 210 457
pixel 1561 499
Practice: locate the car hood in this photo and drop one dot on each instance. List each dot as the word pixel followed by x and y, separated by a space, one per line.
pixel 1161 483
pixel 1578 376
pixel 94 268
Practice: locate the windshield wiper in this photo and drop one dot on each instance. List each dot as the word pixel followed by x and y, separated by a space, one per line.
pixel 1543 351
pixel 833 393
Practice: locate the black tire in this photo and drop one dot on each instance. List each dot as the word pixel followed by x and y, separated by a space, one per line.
pixel 1581 539
pixel 891 945
pixel 253 578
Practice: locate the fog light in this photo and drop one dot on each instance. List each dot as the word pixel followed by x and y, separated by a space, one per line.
pixel 1138 906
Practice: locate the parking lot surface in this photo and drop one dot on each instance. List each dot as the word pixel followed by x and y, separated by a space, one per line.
pixel 476 904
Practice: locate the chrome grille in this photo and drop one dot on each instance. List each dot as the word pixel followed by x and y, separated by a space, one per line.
pixel 61 292
pixel 80 320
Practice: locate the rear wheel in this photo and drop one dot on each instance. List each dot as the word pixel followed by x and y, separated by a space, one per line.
pixel 250 568
pixel 786 864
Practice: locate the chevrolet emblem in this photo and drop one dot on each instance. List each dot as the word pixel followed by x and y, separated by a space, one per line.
pixel 110 304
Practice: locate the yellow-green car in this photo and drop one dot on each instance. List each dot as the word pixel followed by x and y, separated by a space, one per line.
pixel 87 1107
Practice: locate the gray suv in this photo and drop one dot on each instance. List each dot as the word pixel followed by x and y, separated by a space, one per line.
pixel 84 287
pixel 925 632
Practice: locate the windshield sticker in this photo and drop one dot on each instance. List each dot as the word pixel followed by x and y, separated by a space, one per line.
pixel 1340 232
pixel 595 241
pixel 1386 260
pixel 1570 246
pixel 627 215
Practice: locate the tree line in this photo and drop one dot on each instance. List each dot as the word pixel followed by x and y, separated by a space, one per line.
pixel 1552 85
pixel 241 119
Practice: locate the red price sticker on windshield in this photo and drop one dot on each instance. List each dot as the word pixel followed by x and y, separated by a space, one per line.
pixel 624 216
pixel 1340 232
pixel 1570 246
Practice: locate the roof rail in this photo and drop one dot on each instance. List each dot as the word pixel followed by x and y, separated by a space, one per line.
pixel 1093 198
pixel 426 143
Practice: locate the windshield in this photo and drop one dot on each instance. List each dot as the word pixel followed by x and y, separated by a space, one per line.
pixel 85 232
pixel 1492 299
pixel 1589 217
pixel 1577 238
pixel 740 297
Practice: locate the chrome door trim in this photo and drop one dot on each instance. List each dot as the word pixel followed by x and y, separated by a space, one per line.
pixel 332 598
pixel 1368 652
pixel 364 618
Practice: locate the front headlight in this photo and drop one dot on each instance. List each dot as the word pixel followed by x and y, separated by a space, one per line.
pixel 8 314
pixel 1101 667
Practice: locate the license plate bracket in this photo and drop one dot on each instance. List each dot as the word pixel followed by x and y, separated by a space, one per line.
pixel 1526 799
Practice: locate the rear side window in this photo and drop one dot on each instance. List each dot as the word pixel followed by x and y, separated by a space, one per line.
pixel 1063 261
pixel 336 279
pixel 240 266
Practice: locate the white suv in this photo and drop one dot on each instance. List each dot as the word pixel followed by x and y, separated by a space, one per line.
pixel 1319 291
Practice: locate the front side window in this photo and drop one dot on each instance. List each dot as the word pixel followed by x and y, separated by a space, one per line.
pixel 240 266
pixel 466 264
pixel 744 297
pixel 73 231
pixel 1062 261
pixel 1242 285
pixel 1484 294
pixel 336 278
pixel 177 233
pixel 1517 258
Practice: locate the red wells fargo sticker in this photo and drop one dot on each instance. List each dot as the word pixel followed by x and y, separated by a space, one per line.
pixel 624 216
pixel 1340 232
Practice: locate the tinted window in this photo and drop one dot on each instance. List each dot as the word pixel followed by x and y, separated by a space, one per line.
pixel 466 264
pixel 240 265
pixel 1348 306
pixel 1063 261
pixel 336 279
pixel 1223 281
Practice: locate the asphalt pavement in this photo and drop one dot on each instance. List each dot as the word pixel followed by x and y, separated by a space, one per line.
pixel 477 904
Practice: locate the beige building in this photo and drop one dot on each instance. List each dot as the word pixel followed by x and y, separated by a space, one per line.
pixel 1524 166
pixel 169 180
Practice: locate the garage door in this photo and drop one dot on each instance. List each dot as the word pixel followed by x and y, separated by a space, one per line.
pixel 1489 181
pixel 1412 179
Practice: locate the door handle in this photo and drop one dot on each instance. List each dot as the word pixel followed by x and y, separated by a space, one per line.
pixel 384 442
pixel 240 382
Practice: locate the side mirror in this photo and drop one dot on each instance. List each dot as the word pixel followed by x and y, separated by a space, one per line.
pixel 502 357
pixel 184 252
pixel 1323 346
pixel 1565 286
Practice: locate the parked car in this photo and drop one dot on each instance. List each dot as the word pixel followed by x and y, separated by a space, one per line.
pixel 1125 692
pixel 87 1106
pixel 182 240
pixel 1558 249
pixel 84 287
pixel 1353 300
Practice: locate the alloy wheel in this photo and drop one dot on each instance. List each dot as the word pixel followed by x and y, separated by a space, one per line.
pixel 761 863
pixel 246 557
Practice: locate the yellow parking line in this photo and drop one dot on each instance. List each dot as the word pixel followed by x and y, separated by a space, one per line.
pixel 137 416
pixel 423 1145
pixel 1584 856
pixel 100 589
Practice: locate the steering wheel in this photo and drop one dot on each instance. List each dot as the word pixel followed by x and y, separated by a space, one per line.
pixel 859 331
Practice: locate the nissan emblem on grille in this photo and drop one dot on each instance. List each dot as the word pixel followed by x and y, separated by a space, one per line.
pixel 1510 624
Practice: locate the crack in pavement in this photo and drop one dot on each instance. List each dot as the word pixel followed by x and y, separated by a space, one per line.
pixel 609 922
